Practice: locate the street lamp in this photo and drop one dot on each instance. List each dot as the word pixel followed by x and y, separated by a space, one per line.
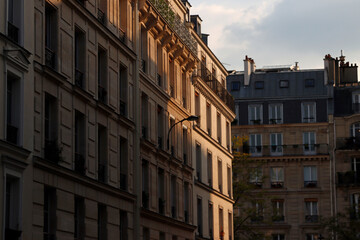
pixel 191 118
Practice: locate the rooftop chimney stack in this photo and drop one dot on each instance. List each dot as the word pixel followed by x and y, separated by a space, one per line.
pixel 249 67
pixel 329 70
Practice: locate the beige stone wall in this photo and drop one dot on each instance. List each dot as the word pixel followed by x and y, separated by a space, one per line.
pixel 293 160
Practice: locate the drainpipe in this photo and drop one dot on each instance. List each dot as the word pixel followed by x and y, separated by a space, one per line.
pixel 137 161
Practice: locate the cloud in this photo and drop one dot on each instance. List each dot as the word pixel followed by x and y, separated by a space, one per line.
pixel 280 31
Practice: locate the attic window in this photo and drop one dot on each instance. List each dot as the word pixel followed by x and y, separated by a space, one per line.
pixel 309 82
pixel 235 86
pixel 259 84
pixel 284 83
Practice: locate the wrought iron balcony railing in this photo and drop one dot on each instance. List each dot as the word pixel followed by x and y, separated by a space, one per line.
pixel 348 178
pixel 13 32
pixel 215 86
pixel 50 58
pixel 80 163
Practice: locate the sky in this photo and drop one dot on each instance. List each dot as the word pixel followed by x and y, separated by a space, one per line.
pixel 280 32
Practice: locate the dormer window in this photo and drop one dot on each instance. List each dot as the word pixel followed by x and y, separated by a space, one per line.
pixel 259 85
pixel 284 84
pixel 309 82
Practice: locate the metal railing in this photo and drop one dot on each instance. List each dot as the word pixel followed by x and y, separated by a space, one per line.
pixel 12 134
pixel 102 93
pixel 79 76
pixel 102 172
pixel 13 32
pixel 123 181
pixel 80 163
pixel 348 178
pixel 311 218
pixel 49 57
pixel 350 143
pixel 101 16
pixel 215 86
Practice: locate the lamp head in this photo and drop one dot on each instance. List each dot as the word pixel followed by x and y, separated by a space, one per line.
pixel 192 118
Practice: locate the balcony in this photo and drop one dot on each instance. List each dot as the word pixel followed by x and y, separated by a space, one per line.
pixel 101 16
pixel 102 172
pixel 311 218
pixel 286 150
pixel 49 58
pixel 12 134
pixel 161 206
pixel 348 178
pixel 143 65
pixel 122 108
pixel 173 211
pixel 144 132
pixel 310 184
pixel 277 184
pixel 12 234
pixel 356 107
pixel 350 143
pixel 185 158
pixel 160 142
pixel 80 163
pixel 215 86
pixel 145 199
pixel 79 76
pixel 166 11
pixel 278 218
pixel 159 81
pixel 52 151
pixel 257 218
pixel 13 32
pixel 186 216
pixel 102 93
pixel 123 181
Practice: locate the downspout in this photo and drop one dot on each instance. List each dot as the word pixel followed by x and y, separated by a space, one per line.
pixel 137 161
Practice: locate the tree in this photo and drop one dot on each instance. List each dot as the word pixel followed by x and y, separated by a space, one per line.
pixel 249 203
pixel 342 226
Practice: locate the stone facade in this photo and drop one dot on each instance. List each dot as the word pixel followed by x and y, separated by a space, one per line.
pixel 91 90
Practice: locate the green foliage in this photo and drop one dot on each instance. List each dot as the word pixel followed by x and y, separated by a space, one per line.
pixel 343 226
pixel 246 192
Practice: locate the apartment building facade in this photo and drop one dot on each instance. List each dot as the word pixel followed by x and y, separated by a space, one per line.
pixel 213 197
pixel 92 89
pixel 346 137
pixel 286 113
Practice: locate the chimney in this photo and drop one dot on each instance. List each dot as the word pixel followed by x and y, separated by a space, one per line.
pixel 329 70
pixel 204 38
pixel 249 67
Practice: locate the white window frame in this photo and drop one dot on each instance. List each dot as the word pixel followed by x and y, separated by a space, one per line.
pixel 308 112
pixel 312 177
pixel 356 97
pixel 255 144
pixel 277 177
pixel 275 113
pixel 277 144
pixel 308 138
pixel 313 207
pixel 355 128
pixel 258 110
pixel 256 175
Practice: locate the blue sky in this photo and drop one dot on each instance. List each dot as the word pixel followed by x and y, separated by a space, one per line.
pixel 280 32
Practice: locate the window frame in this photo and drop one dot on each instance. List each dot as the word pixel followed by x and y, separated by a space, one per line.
pixel 256 109
pixel 308 147
pixel 308 112
pixel 278 144
pixel 256 148
pixel 276 117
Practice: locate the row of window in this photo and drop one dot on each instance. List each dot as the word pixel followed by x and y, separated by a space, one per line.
pixel 278 210
pixel 162 197
pixel 277 176
pixel 308 236
pixel 162 235
pixel 255 113
pixel 276 144
pixel 235 85
pixel 200 165
pixel 209 122
pixel 210 220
